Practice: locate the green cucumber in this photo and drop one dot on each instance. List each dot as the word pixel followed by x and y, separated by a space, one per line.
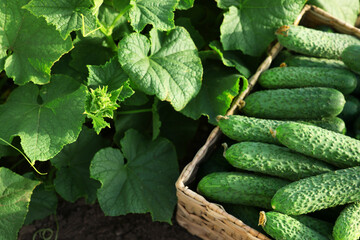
pixel 351 57
pixel 297 103
pixel 242 128
pixel 351 109
pixel 323 227
pixel 305 61
pixel 295 77
pixel 347 225
pixel 318 192
pixel 314 42
pixel 334 124
pixel 274 160
pixel 284 227
pixel 240 188
pixel 334 148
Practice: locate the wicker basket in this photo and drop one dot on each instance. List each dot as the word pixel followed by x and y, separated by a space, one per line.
pixel 209 220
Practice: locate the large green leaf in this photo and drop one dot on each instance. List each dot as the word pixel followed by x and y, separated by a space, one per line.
pixel 66 15
pixel 220 86
pixel 43 203
pixel 346 10
pixel 195 35
pixel 32 45
pixel 15 194
pixel 73 176
pixel 159 13
pixel 46 119
pixel 140 121
pixel 249 26
pixel 168 66
pixel 145 183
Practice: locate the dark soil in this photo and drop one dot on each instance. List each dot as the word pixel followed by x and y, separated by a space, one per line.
pixel 83 221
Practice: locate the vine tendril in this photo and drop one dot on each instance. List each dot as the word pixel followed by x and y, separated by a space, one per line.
pixel 27 159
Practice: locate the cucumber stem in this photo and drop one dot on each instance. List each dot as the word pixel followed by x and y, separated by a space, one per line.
pixel 272 132
pixel 262 219
pixel 219 117
pixel 225 148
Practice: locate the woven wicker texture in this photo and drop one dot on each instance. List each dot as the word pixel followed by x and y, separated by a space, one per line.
pixel 208 220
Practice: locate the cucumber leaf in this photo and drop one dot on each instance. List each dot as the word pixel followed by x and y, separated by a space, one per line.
pixel 141 122
pixel 220 86
pixel 346 10
pixel 109 19
pixel 244 84
pixel 32 45
pixel 168 66
pixel 231 58
pixel 250 26
pixel 65 15
pixel 112 75
pixel 144 183
pixel 2 59
pixel 15 194
pixel 46 119
pixel 225 4
pixel 43 203
pixel 195 35
pixel 73 175
pixel 159 13
pixel 89 51
pixel 155 119
pixel 120 5
pixel 185 4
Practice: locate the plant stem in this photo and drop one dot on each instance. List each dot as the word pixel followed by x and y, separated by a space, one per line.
pixel 135 111
pixel 23 154
pixel 57 227
pixel 118 17
pixel 108 31
pixel 111 43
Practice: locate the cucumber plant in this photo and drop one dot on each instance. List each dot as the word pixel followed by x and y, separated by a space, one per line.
pixel 99 95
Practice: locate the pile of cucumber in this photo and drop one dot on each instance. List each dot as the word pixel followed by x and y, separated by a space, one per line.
pixel 294 164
